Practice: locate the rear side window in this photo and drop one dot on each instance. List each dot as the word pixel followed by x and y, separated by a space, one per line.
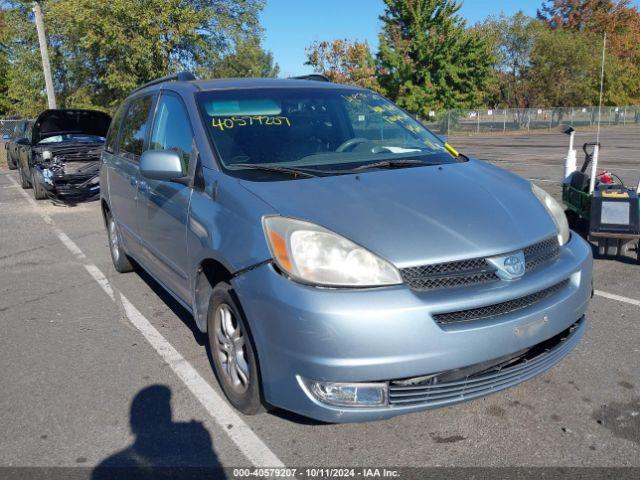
pixel 112 135
pixel 134 128
pixel 172 129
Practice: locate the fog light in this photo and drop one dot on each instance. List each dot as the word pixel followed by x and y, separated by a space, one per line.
pixel 349 394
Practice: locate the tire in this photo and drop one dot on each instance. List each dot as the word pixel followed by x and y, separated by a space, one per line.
pixel 120 260
pixel 11 164
pixel 24 183
pixel 232 352
pixel 39 191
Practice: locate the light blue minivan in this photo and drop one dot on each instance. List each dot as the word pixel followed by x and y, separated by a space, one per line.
pixel 345 262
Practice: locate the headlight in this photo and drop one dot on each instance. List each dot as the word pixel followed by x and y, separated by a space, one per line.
pixel 315 255
pixel 47 155
pixel 556 212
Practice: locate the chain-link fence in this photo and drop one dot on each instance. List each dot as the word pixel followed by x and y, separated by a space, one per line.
pixel 460 121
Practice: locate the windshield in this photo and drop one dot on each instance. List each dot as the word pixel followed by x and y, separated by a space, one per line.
pixel 72 138
pixel 325 131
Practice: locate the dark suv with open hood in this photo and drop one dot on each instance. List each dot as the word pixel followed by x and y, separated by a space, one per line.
pixel 59 155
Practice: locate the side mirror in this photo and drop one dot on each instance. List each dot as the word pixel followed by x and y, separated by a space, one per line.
pixel 23 141
pixel 164 165
pixel 6 137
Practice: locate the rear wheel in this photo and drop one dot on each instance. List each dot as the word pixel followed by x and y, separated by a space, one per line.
pixel 232 352
pixel 39 191
pixel 121 262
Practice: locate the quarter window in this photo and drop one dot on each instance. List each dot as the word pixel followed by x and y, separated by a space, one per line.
pixel 134 128
pixel 172 129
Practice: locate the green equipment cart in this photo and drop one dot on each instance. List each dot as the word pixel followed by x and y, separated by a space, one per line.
pixel 599 204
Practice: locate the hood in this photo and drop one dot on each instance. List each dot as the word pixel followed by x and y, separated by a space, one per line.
pixel 55 122
pixel 415 216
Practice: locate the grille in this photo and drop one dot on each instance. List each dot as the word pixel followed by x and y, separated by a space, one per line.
pixel 479 380
pixel 473 271
pixel 541 253
pixel 449 275
pixel 498 308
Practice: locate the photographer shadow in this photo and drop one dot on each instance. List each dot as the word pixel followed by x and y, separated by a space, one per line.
pixel 162 448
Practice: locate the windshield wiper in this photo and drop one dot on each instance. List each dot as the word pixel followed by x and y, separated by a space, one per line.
pixel 273 168
pixel 392 164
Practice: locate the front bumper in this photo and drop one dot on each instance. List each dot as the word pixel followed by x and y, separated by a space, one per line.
pixel 69 187
pixel 379 335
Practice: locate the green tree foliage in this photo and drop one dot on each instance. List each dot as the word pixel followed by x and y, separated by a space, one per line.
pixel 621 21
pixel 514 38
pixel 429 60
pixel 248 59
pixel 344 61
pixel 24 81
pixel 565 69
pixel 100 51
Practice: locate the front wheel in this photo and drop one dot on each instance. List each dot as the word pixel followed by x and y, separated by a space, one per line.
pixel 24 183
pixel 39 191
pixel 11 164
pixel 232 352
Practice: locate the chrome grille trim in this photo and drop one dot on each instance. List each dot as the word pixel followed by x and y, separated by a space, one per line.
pixel 475 271
pixel 498 309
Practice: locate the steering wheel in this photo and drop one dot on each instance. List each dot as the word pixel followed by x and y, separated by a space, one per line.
pixel 352 142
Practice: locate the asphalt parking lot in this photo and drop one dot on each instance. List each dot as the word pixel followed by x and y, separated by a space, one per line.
pixel 79 342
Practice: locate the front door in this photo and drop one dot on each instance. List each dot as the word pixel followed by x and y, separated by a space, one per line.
pixel 124 172
pixel 163 206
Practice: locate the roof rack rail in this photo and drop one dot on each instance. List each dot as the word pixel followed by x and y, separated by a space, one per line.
pixel 316 77
pixel 176 77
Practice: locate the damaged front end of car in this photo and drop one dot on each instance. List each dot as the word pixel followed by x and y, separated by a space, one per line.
pixel 67 145
pixel 69 173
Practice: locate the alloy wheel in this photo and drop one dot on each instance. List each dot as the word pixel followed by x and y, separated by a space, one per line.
pixel 113 240
pixel 231 349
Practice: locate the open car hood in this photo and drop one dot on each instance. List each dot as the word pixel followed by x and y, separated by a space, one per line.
pixel 56 122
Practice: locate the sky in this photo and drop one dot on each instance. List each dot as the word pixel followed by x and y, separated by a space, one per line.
pixel 292 25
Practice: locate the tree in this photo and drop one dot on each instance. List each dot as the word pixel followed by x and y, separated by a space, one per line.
pixel 565 71
pixel 621 22
pixel 515 38
pixel 100 51
pixel 583 14
pixel 429 60
pixel 248 60
pixel 24 79
pixel 344 61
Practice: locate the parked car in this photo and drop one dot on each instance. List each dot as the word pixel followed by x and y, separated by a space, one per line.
pixel 10 143
pixel 345 263
pixel 59 154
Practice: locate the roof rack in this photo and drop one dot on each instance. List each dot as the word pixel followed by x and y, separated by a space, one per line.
pixel 316 77
pixel 176 77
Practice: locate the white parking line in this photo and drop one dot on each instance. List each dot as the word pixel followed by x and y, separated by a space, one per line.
pixel 613 296
pixel 251 446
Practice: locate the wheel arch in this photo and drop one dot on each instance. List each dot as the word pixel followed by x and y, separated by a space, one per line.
pixel 210 272
pixel 104 208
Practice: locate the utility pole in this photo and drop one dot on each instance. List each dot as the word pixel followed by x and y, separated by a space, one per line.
pixel 44 52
